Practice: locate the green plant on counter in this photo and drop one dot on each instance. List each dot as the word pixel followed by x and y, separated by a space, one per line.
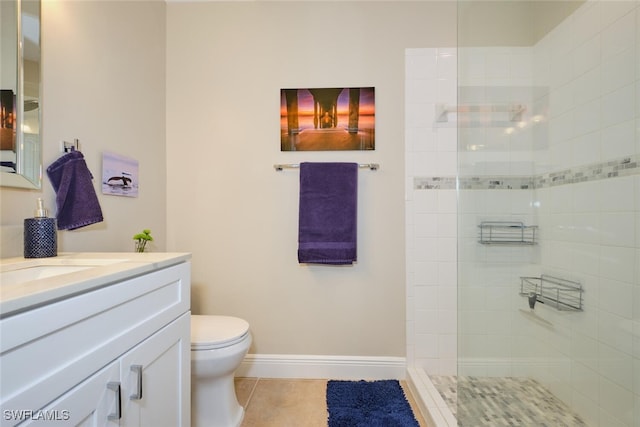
pixel 142 239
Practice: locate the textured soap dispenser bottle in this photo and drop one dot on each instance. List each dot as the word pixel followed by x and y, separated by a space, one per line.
pixel 40 239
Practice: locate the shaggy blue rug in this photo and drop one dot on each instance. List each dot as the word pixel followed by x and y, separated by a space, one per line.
pixel 368 404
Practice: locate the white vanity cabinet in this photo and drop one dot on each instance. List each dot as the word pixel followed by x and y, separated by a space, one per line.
pixel 118 355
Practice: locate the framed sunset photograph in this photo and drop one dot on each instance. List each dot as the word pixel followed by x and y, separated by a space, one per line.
pixel 327 119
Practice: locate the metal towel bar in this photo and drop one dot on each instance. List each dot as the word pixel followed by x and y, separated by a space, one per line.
pixel 279 167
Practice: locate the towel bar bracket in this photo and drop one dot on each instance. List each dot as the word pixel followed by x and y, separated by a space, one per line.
pixel 67 147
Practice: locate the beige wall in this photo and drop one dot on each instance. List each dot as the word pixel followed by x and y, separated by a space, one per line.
pixel 509 23
pixel 213 191
pixel 226 65
pixel 103 83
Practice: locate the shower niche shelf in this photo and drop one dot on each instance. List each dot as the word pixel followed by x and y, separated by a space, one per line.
pixel 563 294
pixel 507 233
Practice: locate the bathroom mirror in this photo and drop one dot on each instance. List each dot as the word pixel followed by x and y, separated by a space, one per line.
pixel 20 91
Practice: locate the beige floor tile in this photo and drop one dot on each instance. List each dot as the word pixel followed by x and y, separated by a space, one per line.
pixel 287 403
pixel 244 389
pixel 291 403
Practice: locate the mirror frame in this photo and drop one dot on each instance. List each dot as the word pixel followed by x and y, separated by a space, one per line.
pixel 20 179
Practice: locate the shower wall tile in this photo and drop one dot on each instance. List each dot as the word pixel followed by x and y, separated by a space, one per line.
pixel 446 249
pixel 586 57
pixel 616 298
pixel 422 139
pixel 618 229
pixel 426 249
pixel 586 88
pixel 448 276
pixel 587 148
pixel 561 100
pixel 638 45
pixel 425 201
pixel 448 346
pixel 446 225
pixel 618 106
pixel 619 139
pixel 618 34
pixel 584 353
pixel 637 138
pixel 616 366
pixel 427 225
pixel 619 70
pixel 584 197
pixel 636 317
pixel 615 331
pixel 448 321
pixel 426 297
pixel 426 322
pixel 616 404
pixel 618 263
pixel 427 346
pixel 587 408
pixel 431 151
pixel 426 273
pixel 447 298
pixel 421 90
pixel 586 119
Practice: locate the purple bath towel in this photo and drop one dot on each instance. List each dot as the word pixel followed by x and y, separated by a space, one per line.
pixel 76 199
pixel 328 213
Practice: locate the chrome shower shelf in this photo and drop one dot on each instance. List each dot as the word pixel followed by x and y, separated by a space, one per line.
pixel 560 293
pixel 507 233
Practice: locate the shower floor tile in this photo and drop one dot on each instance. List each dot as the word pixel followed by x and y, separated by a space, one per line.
pixel 493 402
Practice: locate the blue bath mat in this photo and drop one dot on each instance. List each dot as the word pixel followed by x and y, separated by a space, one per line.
pixel 368 404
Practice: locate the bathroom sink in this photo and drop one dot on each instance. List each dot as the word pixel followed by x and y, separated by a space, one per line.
pixel 50 268
pixel 37 272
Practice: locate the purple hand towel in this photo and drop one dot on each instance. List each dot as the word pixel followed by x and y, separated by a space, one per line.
pixel 328 213
pixel 76 199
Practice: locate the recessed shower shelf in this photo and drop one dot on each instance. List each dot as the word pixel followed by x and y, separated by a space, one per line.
pixel 512 112
pixel 563 294
pixel 507 233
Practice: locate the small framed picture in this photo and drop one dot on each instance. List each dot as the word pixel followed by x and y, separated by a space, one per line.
pixel 119 175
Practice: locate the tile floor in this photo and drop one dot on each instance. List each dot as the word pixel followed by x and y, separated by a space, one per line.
pixel 493 402
pixel 291 403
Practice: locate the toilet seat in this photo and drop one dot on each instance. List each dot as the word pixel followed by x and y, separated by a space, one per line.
pixel 213 332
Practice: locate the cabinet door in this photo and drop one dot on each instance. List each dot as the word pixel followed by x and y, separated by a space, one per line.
pixel 94 402
pixel 156 378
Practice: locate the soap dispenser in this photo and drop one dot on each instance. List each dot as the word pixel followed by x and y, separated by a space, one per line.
pixel 40 239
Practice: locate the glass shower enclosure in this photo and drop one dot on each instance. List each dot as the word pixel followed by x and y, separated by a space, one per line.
pixel 548 214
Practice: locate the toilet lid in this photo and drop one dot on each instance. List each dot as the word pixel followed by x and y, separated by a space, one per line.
pixel 209 332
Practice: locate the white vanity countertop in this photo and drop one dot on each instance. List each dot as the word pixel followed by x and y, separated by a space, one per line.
pixel 102 269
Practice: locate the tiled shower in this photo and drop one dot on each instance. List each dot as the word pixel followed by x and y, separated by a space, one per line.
pixel 542 138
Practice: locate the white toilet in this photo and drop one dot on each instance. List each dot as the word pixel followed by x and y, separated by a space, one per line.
pixel 218 345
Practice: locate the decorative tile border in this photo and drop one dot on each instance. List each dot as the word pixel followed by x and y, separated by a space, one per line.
pixel 625 166
pixel 434 183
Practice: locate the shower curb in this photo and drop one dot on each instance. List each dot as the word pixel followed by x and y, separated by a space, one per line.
pixel 432 406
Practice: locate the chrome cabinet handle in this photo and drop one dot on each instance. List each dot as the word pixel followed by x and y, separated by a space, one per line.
pixel 115 387
pixel 137 369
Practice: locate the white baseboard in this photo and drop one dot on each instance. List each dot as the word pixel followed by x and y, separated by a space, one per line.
pixel 329 367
